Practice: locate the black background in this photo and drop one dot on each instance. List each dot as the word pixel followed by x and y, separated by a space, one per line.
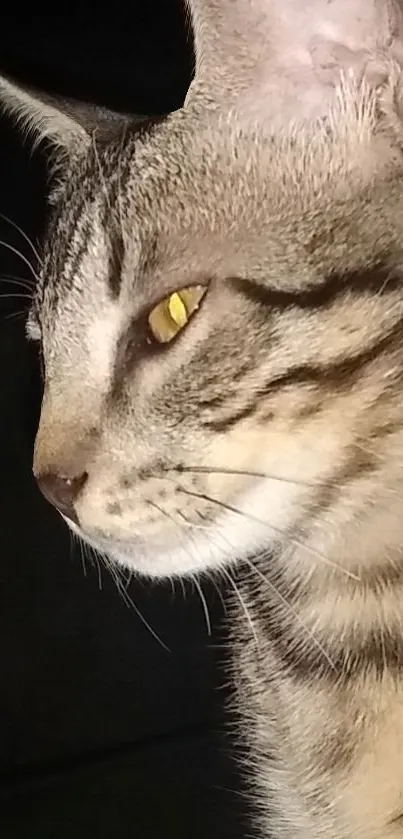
pixel 104 733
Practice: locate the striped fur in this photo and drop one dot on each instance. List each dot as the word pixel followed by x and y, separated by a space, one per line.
pixel 267 439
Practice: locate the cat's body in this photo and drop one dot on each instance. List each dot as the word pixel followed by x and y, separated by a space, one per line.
pixel 326 757
pixel 263 423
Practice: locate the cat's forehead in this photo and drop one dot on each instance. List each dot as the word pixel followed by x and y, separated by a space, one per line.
pixel 171 205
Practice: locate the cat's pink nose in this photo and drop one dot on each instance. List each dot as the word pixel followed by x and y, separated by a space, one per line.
pixel 62 492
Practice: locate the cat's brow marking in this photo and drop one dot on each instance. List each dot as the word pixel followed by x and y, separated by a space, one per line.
pixel 376 279
pixel 115 263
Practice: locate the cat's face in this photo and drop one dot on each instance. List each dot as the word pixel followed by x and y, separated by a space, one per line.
pixel 212 443
pixel 218 313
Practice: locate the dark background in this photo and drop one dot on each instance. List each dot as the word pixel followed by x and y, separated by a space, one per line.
pixel 104 734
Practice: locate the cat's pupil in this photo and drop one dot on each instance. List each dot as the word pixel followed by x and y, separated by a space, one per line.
pixel 177 310
pixel 173 313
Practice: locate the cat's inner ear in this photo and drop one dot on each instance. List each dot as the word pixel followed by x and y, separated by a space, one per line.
pixel 67 125
pixel 271 57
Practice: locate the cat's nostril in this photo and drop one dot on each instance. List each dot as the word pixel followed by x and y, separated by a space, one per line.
pixel 62 491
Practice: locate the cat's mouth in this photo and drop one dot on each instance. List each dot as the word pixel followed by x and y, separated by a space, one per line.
pixel 158 555
pixel 171 549
pixel 100 540
pixel 123 550
pixel 201 527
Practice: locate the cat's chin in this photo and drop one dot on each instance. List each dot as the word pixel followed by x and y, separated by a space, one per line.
pixel 232 537
pixel 158 560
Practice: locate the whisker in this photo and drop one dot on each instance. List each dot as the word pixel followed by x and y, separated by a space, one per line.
pixel 207 527
pixel 213 538
pixel 322 483
pixel 204 605
pixel 129 602
pixel 21 313
pixel 183 587
pixel 172 518
pixel 292 611
pixel 13 294
pixel 213 470
pixel 192 525
pixel 172 584
pixel 128 578
pixel 99 570
pixel 95 560
pixel 244 607
pixel 160 510
pixel 366 450
pixel 72 536
pixel 220 594
pixel 114 571
pixel 81 544
pixel 292 540
pixel 24 235
pixel 21 255
pixel 23 282
pixel 193 578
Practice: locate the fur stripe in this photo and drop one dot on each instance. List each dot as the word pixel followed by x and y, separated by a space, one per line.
pixel 338 374
pixel 377 280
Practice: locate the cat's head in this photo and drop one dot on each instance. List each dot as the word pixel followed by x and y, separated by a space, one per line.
pixel 219 306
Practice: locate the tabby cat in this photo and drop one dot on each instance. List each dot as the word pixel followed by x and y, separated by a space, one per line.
pixel 220 316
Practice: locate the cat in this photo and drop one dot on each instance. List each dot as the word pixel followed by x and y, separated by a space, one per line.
pixel 220 318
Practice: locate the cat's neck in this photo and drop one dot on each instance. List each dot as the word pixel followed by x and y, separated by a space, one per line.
pixel 344 563
pixel 329 600
pixel 344 574
pixel 360 527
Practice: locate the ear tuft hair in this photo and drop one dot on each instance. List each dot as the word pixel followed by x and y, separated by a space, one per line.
pixel 65 124
pixel 42 117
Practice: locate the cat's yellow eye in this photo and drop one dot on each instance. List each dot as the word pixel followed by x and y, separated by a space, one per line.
pixel 173 313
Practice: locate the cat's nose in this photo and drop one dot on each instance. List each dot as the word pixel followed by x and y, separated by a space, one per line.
pixel 62 491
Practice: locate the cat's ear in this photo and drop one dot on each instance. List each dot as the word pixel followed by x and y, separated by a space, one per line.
pixel 270 57
pixel 67 125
